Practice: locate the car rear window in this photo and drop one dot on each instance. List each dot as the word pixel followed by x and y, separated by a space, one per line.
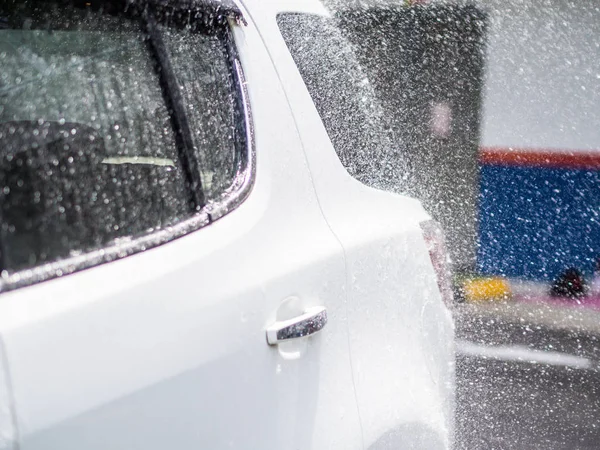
pixel 345 100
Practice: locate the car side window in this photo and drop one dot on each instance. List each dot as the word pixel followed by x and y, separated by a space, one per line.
pixel 345 100
pixel 112 128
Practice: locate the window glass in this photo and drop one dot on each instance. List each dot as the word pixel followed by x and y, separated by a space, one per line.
pixel 345 100
pixel 90 150
pixel 202 68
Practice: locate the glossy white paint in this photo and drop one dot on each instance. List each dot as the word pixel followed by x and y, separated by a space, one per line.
pixel 167 348
pixel 401 333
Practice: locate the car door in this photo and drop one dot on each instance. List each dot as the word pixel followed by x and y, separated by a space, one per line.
pixel 163 344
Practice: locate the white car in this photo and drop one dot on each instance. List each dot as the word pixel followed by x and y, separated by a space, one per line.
pixel 186 262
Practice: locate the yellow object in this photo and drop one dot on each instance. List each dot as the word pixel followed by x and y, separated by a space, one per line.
pixel 486 289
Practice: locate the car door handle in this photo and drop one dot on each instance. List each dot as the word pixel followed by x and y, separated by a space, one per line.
pixel 312 321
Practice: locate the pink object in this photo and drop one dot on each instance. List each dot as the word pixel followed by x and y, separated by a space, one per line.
pixel 441 119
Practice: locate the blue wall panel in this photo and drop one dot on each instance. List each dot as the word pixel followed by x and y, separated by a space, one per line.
pixel 535 222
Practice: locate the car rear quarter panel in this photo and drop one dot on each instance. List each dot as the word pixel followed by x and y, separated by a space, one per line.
pixel 401 333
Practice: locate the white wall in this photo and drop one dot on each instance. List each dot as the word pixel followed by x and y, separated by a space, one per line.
pixel 542 85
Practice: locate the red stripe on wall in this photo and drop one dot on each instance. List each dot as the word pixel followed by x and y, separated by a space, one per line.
pixel 561 159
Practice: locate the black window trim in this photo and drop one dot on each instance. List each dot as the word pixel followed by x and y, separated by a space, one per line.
pixel 174 101
pixel 231 198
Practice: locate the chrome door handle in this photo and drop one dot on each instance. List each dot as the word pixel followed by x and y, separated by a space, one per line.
pixel 312 321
